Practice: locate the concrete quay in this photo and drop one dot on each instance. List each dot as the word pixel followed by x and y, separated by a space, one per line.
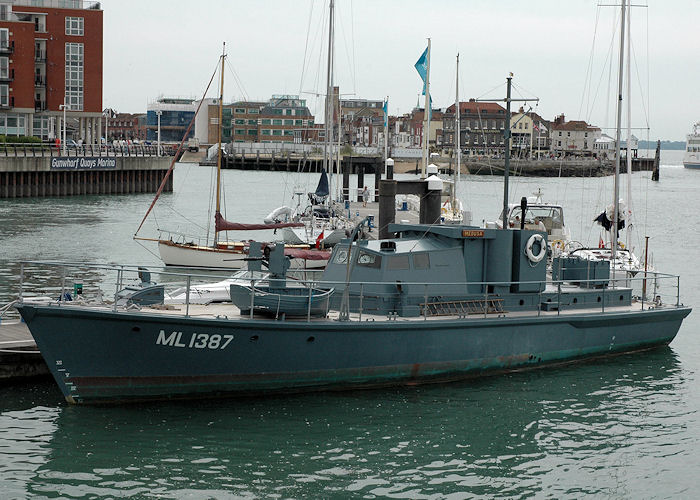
pixel 40 176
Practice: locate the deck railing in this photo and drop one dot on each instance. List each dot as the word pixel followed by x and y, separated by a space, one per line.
pixel 92 150
pixel 67 283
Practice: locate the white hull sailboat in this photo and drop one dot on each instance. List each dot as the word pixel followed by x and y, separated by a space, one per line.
pixel 227 254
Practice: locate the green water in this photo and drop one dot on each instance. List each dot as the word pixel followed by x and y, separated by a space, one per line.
pixel 624 427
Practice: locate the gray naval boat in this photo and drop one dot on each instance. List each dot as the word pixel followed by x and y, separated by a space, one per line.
pixel 434 303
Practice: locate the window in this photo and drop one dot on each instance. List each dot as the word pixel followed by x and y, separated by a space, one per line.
pixel 367 259
pixel 287 111
pixel 559 134
pixel 421 261
pixel 4 67
pixel 288 132
pixel 4 12
pixel 277 132
pixel 240 131
pixel 277 122
pixel 266 121
pixel 397 262
pixel 298 122
pixel 239 111
pixel 74 76
pixel 289 122
pixel 4 38
pixel 75 26
pixel 240 122
pixel 4 95
pixel 568 134
pixel 252 131
pixel 253 111
pixel 252 122
pixel 265 131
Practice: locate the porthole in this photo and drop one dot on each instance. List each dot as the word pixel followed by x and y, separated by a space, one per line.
pixel 311 339
pixel 254 338
pixel 599 299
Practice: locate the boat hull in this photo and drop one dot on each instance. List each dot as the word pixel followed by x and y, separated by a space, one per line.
pixel 693 165
pixel 104 356
pixel 173 254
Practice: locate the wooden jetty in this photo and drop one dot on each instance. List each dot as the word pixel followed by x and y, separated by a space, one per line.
pixel 19 357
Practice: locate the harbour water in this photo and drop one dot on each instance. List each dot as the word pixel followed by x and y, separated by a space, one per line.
pixel 625 427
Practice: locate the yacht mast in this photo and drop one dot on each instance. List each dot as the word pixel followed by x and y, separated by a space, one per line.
pixel 426 116
pixel 330 101
pixel 458 132
pixel 218 156
pixel 628 232
pixel 616 200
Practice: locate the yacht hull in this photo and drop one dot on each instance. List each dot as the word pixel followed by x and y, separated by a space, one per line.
pixel 173 254
pixel 103 356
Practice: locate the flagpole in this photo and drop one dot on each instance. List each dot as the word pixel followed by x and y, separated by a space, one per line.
pixel 426 116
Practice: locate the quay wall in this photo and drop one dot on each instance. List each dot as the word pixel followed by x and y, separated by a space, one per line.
pixel 27 176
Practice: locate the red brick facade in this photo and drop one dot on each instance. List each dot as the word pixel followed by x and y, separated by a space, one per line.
pixel 37 38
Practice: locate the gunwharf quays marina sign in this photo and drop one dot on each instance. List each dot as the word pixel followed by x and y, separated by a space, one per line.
pixel 82 163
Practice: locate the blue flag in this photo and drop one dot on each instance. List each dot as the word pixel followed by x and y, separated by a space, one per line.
pixel 422 67
pixel 386 112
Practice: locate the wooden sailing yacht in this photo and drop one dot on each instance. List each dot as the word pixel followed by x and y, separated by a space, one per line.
pixel 223 253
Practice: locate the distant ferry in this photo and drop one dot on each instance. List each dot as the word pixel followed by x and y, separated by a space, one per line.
pixel 692 148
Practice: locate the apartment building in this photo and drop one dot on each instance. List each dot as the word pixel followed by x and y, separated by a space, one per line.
pixel 51 59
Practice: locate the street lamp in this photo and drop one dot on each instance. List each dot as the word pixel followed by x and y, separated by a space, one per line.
pixel 108 113
pixel 158 113
pixel 63 107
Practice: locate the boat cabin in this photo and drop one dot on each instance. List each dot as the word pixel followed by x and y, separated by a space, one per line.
pixel 428 264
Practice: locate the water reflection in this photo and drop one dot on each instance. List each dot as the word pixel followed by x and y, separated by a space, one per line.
pixel 583 429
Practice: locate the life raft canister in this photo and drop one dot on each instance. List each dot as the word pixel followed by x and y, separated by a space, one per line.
pixel 529 248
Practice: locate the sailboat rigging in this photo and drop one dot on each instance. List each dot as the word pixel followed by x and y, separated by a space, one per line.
pixel 223 253
pixel 321 223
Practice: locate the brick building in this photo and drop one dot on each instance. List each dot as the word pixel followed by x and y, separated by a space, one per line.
pixel 284 118
pixel 481 124
pixel 126 126
pixel 50 56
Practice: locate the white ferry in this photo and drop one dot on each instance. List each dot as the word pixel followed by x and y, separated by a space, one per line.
pixel 692 148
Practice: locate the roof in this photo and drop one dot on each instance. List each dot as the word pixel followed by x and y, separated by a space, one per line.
pixel 474 107
pixel 574 125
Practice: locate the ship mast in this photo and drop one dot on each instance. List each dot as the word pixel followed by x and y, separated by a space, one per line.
pixel 218 159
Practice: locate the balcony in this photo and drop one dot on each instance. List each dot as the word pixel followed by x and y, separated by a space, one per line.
pixel 40 56
pixel 40 81
pixel 7 47
pixel 60 4
pixel 7 76
pixel 8 104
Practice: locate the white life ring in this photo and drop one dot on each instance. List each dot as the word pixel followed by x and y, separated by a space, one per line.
pixel 530 245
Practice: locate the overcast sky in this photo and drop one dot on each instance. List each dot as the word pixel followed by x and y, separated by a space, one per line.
pixel 171 47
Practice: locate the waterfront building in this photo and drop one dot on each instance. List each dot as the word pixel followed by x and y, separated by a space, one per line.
pixel 51 57
pixel 604 147
pixel 481 127
pixel 126 127
pixel 176 113
pixel 285 118
pixel 575 137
